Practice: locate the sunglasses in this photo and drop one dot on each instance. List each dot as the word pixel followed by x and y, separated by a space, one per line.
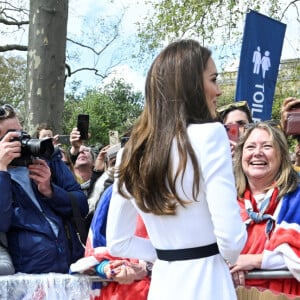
pixel 231 106
pixel 240 123
pixel 7 111
pixel 272 123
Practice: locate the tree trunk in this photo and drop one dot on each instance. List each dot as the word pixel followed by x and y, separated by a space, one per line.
pixel 46 64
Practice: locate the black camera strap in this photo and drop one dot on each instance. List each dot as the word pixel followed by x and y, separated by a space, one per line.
pixel 79 220
pixel 80 226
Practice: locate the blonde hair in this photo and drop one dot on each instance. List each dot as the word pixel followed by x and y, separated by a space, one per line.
pixel 286 179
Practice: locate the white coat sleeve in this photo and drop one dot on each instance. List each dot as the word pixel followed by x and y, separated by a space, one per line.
pixel 121 225
pixel 216 166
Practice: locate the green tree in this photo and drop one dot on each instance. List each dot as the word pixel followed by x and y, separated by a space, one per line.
pixel 287 85
pixel 212 22
pixel 48 63
pixel 114 107
pixel 12 80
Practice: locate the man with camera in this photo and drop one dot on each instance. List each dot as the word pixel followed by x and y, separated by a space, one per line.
pixel 39 188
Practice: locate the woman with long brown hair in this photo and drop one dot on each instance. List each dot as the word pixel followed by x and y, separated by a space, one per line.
pixel 176 173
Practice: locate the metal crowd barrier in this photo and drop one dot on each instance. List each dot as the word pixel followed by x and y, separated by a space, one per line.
pixel 54 286
pixel 254 293
pixel 254 274
pixel 269 274
pixel 50 286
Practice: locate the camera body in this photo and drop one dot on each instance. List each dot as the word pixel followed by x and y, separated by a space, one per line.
pixel 31 148
pixel 293 121
pixel 63 139
pixel 112 151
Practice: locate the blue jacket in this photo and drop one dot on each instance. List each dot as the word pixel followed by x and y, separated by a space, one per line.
pixel 5 206
pixel 33 245
pixel 98 225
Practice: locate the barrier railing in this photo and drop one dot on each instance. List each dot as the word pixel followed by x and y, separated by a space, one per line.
pixel 50 286
pixel 269 274
pixel 53 286
pixel 254 293
pixel 254 274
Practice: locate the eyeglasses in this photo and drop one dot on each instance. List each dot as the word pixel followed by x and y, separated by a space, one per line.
pixel 85 150
pixel 7 111
pixel 231 106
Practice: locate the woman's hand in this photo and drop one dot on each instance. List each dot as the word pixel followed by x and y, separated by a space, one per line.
pixel 99 164
pixel 245 263
pixel 287 105
pixel 238 278
pixel 75 141
pixel 125 272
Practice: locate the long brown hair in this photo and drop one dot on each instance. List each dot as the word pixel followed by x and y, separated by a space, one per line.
pixel 175 98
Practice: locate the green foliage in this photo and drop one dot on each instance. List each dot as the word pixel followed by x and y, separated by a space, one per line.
pixel 212 22
pixel 114 107
pixel 12 80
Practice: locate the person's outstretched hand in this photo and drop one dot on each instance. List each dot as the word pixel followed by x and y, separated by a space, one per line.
pixel 287 105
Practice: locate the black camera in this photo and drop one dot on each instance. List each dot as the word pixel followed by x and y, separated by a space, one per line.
pixel 31 148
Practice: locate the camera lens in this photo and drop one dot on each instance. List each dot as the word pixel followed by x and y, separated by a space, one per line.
pixel 46 148
pixel 40 148
pixel 32 148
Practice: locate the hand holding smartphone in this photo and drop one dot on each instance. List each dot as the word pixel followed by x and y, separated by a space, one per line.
pixel 83 126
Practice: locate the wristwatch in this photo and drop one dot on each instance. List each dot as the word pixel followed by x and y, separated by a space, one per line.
pixel 149 266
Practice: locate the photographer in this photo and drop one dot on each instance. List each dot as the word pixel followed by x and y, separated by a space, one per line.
pixel 41 235
pixel 289 121
pixel 287 106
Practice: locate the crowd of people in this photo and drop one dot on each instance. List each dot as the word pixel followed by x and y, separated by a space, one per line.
pixel 180 204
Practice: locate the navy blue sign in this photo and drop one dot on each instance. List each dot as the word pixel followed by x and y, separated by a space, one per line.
pixel 259 63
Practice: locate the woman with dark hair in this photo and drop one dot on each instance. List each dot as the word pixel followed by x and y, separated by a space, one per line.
pixel 235 116
pixel 176 173
pixel 269 197
pixel 235 113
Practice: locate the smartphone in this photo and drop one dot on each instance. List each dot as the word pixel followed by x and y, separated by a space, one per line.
pixel 232 132
pixel 113 150
pixel 83 126
pixel 63 139
pixel 113 137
